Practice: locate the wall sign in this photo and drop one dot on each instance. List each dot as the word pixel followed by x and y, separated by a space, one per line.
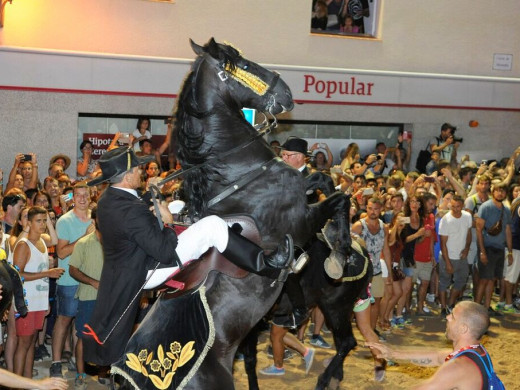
pixel 502 61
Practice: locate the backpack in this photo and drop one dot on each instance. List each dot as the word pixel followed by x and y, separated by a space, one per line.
pixel 424 157
pixel 494 382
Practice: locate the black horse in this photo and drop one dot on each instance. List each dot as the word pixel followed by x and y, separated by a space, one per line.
pixel 228 168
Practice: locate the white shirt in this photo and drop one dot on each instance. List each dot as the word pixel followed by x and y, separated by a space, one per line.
pixel 456 229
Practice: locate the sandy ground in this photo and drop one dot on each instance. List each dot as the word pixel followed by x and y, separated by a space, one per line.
pixel 501 342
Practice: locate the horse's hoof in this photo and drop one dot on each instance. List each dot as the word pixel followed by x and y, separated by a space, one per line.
pixel 334 265
pixel 334 384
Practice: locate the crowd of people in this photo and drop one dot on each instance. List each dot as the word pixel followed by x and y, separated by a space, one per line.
pixel 435 238
pixel 450 233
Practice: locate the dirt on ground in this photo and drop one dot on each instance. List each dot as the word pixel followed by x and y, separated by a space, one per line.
pixel 501 342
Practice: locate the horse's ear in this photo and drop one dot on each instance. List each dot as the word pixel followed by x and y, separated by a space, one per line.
pixel 213 48
pixel 199 50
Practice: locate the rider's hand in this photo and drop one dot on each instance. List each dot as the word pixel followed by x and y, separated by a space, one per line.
pixel 166 216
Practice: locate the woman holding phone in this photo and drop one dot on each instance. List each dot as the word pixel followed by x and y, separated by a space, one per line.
pixel 412 232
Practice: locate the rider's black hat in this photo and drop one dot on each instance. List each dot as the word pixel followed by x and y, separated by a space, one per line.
pixel 295 144
pixel 117 161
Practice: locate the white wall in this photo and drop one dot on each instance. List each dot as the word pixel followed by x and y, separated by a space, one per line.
pixel 442 36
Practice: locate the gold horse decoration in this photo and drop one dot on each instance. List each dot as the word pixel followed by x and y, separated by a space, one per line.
pixel 165 365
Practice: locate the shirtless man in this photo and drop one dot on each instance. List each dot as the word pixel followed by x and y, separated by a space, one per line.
pixel 464 327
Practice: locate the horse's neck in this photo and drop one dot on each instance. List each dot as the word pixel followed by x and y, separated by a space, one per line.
pixel 229 137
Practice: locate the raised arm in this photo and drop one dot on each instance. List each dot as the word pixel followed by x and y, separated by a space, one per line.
pixel 34 177
pixel 14 170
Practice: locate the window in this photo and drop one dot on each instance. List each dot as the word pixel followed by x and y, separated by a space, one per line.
pixel 354 18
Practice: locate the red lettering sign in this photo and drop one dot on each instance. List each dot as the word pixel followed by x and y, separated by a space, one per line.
pixel 101 142
pixel 332 88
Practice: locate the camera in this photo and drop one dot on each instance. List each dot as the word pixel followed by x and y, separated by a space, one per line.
pixel 379 157
pixel 27 157
pixel 429 179
pixel 459 140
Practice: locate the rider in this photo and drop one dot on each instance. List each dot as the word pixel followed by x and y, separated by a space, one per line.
pixel 132 239
pixel 294 153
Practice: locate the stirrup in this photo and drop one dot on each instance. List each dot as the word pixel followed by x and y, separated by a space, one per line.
pixel 298 264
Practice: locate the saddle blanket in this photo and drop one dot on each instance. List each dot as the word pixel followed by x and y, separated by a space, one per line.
pixel 170 344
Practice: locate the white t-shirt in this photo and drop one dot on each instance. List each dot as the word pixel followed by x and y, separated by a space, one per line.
pixel 457 230
pixel 137 134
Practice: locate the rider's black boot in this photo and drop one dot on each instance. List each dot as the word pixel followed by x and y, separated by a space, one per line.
pixel 249 256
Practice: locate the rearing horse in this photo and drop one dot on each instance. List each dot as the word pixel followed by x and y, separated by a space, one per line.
pixel 230 169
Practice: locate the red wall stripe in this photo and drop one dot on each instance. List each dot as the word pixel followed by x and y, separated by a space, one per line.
pixel 297 101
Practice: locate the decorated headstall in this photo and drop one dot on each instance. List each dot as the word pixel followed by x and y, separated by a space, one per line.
pixel 241 75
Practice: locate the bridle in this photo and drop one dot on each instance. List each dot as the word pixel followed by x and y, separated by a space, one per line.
pixel 262 129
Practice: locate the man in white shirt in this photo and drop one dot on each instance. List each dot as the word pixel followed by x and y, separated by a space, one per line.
pixel 455 233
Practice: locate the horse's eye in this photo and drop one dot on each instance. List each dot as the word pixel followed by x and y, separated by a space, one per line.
pixel 245 67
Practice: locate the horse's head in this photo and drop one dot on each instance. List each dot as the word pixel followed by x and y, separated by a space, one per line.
pixel 245 82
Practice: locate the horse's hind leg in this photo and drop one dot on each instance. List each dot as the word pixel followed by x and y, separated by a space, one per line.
pixel 248 348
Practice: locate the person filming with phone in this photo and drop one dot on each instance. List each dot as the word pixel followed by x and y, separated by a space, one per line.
pixel 24 174
pixel 446 144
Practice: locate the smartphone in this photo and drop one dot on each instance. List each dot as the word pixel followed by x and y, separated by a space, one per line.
pixel 382 189
pixel 368 191
pixel 27 157
pixel 429 179
pixel 405 219
pixel 67 197
pixel 407 135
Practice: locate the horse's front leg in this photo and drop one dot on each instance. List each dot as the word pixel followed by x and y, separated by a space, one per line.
pixel 343 240
pixel 337 236
pixel 345 342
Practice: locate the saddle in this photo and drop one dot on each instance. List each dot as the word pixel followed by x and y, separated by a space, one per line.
pixel 194 272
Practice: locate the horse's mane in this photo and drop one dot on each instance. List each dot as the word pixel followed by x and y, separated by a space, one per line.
pixel 190 136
